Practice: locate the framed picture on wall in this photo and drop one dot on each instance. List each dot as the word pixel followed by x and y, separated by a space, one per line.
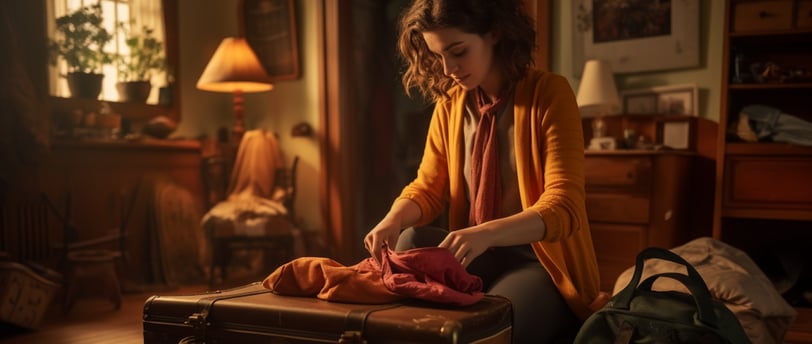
pixel 269 26
pixel 654 35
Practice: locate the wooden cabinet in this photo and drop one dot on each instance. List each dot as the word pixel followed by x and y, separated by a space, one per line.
pixel 102 178
pixel 763 197
pixel 636 199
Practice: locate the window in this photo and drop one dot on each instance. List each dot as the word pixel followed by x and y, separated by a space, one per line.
pixel 140 12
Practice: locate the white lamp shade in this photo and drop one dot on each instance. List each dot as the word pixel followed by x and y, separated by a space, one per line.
pixel 597 93
pixel 234 67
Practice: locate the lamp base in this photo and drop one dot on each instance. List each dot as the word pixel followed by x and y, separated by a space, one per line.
pixel 239 127
pixel 598 126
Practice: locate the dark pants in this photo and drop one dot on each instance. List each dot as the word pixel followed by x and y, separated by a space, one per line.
pixel 540 314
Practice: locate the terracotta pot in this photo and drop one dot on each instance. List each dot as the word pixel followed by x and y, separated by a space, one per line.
pixel 84 85
pixel 133 91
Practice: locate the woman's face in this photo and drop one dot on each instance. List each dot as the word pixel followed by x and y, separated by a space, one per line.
pixel 467 57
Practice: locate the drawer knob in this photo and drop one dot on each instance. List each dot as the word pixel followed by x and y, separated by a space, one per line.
pixel 764 14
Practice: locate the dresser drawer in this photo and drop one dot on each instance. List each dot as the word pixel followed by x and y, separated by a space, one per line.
pixel 776 183
pixel 617 173
pixel 804 19
pixel 618 188
pixel 762 15
pixel 617 208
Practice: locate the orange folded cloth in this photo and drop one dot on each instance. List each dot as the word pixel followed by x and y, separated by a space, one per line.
pixel 430 274
pixel 328 280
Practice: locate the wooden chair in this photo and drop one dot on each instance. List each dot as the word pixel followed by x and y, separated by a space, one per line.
pixel 278 237
pixel 215 171
pixel 89 265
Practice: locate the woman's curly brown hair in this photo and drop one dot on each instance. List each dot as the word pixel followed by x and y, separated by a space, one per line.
pixel 505 18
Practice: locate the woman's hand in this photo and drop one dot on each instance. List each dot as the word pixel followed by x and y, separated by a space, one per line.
pixel 385 231
pixel 522 228
pixel 403 213
pixel 467 244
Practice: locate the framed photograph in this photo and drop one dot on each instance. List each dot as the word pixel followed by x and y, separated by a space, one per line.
pixel 269 26
pixel 641 103
pixel 662 100
pixel 654 35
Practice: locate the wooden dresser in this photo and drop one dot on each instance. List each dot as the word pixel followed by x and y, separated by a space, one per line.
pixel 636 199
pixel 102 179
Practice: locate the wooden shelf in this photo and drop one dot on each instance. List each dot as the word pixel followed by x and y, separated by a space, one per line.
pixel 770 34
pixel 772 214
pixel 144 143
pixel 767 148
pixel 768 86
pixel 765 186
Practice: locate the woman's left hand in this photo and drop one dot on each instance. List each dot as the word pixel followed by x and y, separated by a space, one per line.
pixel 467 244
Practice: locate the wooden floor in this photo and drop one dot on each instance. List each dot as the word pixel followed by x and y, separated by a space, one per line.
pixel 96 321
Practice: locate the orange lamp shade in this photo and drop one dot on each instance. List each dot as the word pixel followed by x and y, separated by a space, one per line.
pixel 234 67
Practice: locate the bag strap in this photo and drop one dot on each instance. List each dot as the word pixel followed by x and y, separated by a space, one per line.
pixel 701 296
pixel 693 281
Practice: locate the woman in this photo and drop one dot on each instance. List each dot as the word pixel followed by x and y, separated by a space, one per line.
pixel 505 154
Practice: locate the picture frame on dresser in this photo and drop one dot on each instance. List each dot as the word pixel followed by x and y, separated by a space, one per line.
pixel 682 99
pixel 675 132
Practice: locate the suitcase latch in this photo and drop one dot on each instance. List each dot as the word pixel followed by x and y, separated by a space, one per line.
pixel 199 323
pixel 351 337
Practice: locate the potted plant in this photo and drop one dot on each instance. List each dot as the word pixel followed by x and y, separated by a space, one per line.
pixel 79 40
pixel 136 68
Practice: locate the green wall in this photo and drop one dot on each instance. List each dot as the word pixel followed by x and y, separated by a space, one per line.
pixel 707 76
pixel 203 24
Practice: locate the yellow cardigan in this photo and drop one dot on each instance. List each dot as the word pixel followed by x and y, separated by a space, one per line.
pixel 549 150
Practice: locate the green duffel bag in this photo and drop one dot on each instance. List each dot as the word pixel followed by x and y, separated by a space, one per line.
pixel 638 314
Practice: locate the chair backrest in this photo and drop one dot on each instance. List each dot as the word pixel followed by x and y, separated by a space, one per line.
pixel 215 172
pixel 286 180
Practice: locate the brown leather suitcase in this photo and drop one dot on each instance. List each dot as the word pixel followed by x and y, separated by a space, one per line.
pixel 252 314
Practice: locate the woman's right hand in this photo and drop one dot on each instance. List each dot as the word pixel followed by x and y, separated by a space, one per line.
pixel 387 231
pixel 404 213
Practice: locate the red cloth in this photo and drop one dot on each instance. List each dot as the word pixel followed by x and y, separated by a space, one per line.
pixel 430 274
pixel 485 183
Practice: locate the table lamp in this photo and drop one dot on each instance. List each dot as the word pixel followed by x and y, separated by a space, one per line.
pixel 235 68
pixel 597 97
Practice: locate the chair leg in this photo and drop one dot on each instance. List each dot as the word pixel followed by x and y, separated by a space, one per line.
pixel 220 259
pixel 214 263
pixel 70 294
